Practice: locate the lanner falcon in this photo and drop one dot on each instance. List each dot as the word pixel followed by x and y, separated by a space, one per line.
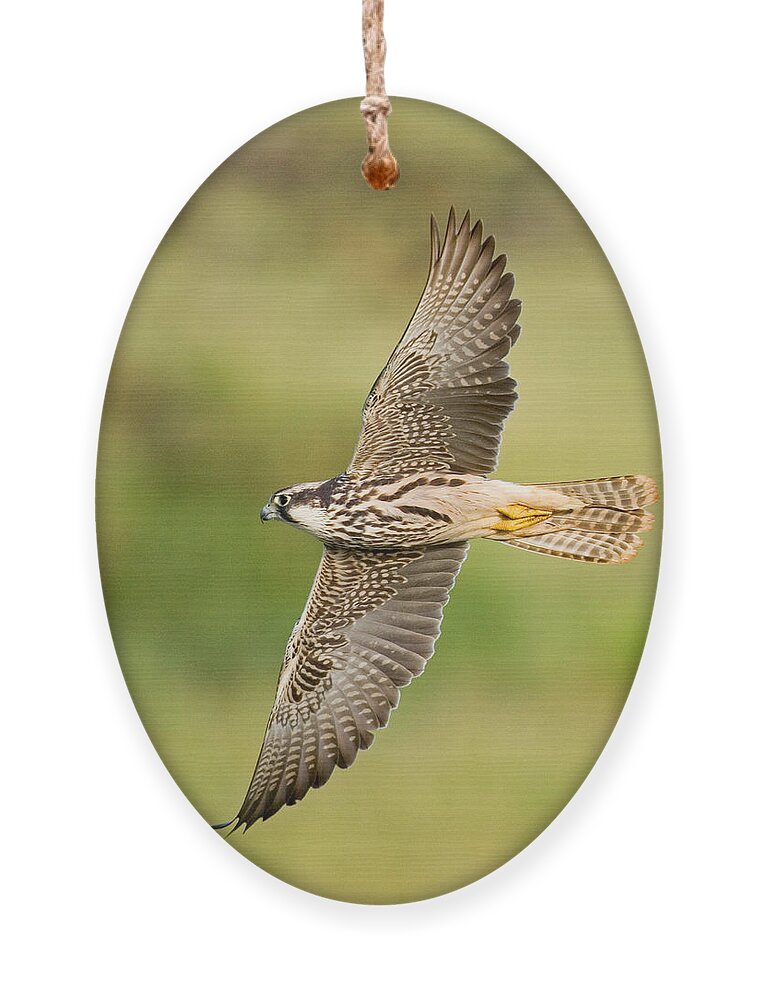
pixel 396 525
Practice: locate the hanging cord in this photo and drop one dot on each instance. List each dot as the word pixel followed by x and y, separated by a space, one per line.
pixel 379 166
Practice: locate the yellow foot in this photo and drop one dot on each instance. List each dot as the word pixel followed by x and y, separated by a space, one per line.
pixel 517 516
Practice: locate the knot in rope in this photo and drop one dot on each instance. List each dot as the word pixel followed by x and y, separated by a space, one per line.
pixel 374 105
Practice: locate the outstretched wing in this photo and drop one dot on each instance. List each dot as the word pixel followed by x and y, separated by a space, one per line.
pixel 368 629
pixel 442 399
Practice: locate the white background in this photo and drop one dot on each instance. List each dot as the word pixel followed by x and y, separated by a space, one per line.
pixel 113 114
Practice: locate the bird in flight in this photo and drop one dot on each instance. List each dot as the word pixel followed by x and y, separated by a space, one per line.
pixel 396 524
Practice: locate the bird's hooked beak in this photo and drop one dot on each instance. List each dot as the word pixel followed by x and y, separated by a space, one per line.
pixel 267 512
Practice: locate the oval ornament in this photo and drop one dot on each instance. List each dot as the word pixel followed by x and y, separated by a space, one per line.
pixel 243 485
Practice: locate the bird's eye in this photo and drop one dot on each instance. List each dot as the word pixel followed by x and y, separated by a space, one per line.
pixel 282 500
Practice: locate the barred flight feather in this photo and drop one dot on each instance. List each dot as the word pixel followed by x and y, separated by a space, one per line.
pixel 389 620
pixel 445 357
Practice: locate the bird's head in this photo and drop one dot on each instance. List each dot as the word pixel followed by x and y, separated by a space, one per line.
pixel 305 505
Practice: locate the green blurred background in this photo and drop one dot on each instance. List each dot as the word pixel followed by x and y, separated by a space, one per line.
pixel 257 330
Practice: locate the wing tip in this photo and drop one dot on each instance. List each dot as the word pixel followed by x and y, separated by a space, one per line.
pixel 453 231
pixel 235 824
pixel 459 233
pixel 435 240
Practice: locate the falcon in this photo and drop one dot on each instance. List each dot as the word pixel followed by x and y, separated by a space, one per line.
pixel 396 524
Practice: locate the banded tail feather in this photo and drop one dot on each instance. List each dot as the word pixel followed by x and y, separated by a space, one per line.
pixel 617 492
pixel 597 520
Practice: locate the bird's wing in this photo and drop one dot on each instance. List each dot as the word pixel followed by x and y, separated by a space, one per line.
pixel 368 629
pixel 443 396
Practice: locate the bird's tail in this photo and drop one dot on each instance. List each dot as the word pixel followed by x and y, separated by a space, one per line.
pixel 596 520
